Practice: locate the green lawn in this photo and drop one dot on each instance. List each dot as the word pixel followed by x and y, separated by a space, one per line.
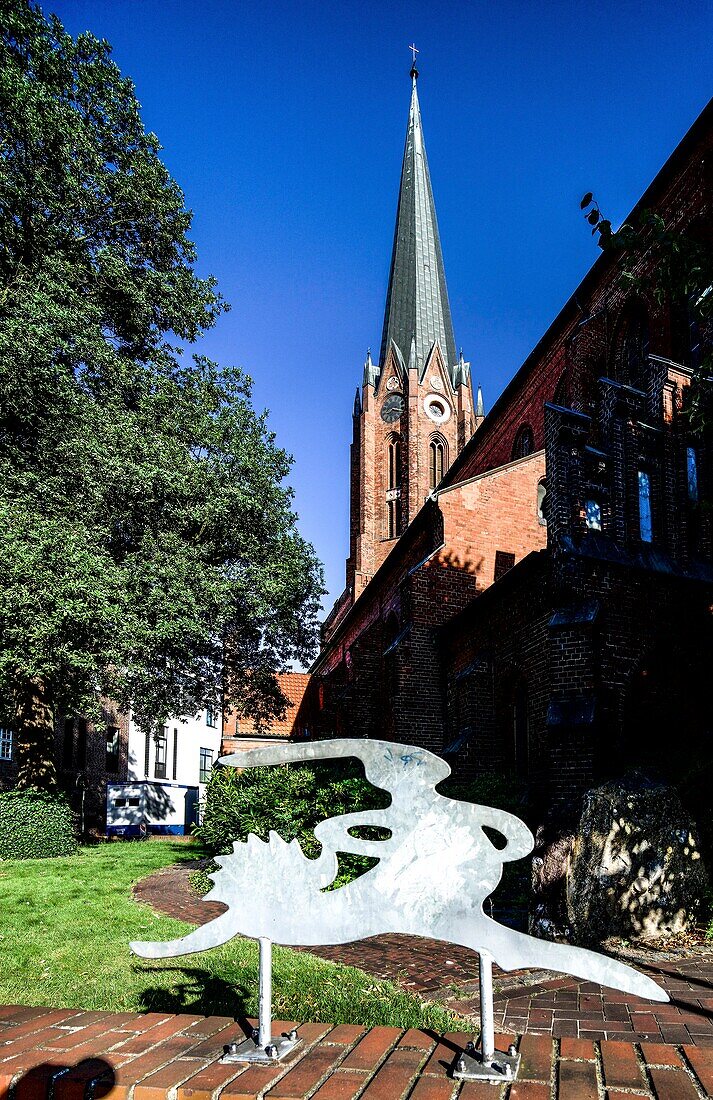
pixel 64 936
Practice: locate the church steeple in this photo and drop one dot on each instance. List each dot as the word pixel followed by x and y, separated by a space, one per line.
pixel 417 306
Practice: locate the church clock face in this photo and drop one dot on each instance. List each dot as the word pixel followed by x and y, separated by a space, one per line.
pixel 392 408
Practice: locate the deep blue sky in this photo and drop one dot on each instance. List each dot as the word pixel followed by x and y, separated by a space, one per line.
pixel 284 124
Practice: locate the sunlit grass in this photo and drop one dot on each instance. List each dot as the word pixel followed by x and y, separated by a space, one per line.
pixel 64 940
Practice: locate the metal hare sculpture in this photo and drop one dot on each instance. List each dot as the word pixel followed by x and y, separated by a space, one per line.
pixel 434 873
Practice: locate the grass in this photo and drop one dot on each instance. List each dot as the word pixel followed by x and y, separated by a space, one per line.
pixel 64 942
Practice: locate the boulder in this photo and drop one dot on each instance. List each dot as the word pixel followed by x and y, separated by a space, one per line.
pixel 636 869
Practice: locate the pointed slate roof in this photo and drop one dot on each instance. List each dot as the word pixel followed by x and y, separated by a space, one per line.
pixel 417 306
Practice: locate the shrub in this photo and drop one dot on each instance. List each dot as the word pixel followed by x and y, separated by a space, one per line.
pixel 291 799
pixel 35 824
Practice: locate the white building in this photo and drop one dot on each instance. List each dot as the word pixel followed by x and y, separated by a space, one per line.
pixel 166 777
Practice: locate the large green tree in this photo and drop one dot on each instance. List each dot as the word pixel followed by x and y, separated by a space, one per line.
pixel 148 549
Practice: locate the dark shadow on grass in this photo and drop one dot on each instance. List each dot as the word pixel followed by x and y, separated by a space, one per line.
pixel 195 991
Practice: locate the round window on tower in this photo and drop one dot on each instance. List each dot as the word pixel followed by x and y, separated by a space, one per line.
pixel 437 408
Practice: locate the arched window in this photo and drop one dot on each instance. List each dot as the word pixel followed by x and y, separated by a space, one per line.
pixel 524 443
pixel 437 460
pixel 632 347
pixel 593 514
pixel 393 518
pixel 542 501
pixel 646 531
pixel 393 462
pixel 692 474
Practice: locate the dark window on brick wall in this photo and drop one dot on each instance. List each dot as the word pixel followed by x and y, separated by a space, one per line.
pixel 524 443
pixel 81 743
pixel 504 560
pixel 112 749
pixel 68 743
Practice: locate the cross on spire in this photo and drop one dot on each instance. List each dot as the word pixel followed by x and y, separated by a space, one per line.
pixel 414 71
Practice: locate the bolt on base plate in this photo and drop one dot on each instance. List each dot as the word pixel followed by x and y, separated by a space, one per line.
pixel 249 1051
pixel 469 1065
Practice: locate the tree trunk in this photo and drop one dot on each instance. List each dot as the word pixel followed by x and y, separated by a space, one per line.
pixel 34 728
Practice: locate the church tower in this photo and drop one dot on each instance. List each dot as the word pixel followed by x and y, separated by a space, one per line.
pixel 414 412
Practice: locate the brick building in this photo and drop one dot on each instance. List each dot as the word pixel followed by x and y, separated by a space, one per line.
pixel 531 590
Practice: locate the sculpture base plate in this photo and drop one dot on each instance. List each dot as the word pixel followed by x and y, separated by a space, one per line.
pixel 249 1051
pixel 501 1067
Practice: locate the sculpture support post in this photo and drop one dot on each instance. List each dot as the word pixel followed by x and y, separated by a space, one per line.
pixel 265 994
pixel 261 1048
pixel 487 1031
pixel 486 1064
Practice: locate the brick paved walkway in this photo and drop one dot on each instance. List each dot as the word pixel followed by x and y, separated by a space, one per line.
pixel 533 1002
pixel 54 1054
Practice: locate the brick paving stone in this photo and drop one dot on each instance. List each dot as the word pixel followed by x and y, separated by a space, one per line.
pixel 658 1054
pixel 45 1037
pixel 252 1082
pixel 444 1052
pixel 481 1090
pixel 211 1025
pixel 529 1090
pixel 577 1081
pixel 536 1051
pixel 673 1084
pixel 205 1082
pixel 395 1076
pixel 372 1048
pixel 307 1074
pixel 175 1025
pixel 582 1049
pixel 342 1085
pixel 621 1066
pixel 433 1088
pixel 701 1059
pixel 345 1034
pixel 422 1040
pixel 158 1084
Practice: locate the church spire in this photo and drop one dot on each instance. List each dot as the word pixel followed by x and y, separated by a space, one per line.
pixel 417 300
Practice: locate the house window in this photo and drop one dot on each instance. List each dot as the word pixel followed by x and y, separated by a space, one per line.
pixel 593 514
pixel 175 752
pixel 206 765
pixel 542 501
pixel 161 750
pixel 112 749
pixel 645 523
pixel 436 461
pixel 147 753
pixel 5 744
pixel 210 718
pixel 524 443
pixel 692 474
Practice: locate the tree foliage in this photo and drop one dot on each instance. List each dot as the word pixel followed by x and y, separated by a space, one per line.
pixel 674 267
pixel 149 548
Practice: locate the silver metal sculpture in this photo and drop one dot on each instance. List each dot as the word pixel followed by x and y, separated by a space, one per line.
pixel 434 873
